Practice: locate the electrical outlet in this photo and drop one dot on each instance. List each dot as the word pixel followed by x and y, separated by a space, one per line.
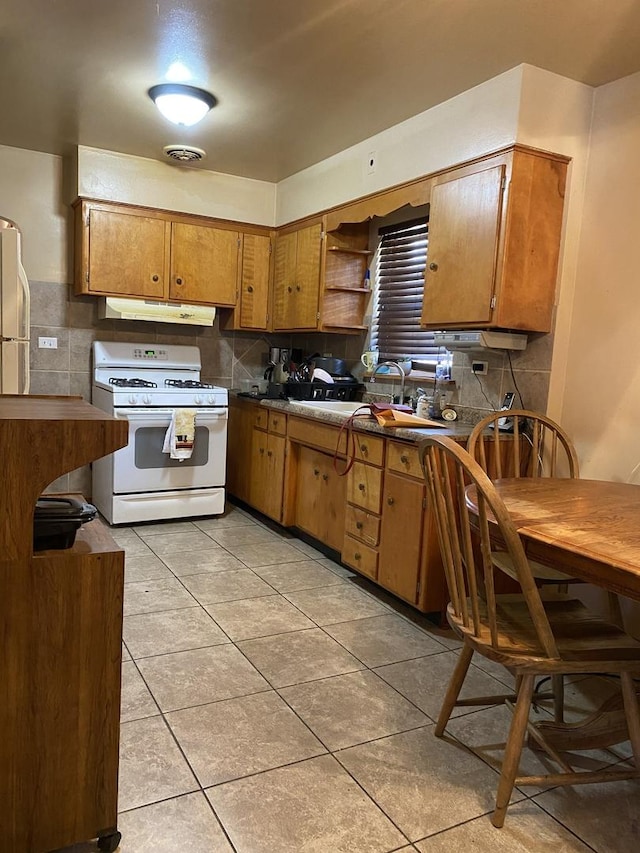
pixel 481 367
pixel 47 343
pixel 372 158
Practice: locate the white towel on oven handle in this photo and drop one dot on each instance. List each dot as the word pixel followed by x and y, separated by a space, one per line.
pixel 180 435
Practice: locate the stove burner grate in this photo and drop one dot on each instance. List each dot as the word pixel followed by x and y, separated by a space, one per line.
pixel 186 383
pixel 132 383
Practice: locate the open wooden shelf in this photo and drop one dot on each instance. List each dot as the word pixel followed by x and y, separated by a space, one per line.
pixel 348 251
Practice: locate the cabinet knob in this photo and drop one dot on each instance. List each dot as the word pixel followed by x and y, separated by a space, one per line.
pixel 298 288
pixel 155 278
pixel 325 477
pixel 433 266
pixel 364 449
pixel 262 450
pixel 250 288
pixel 289 290
pixel 359 525
pixel 361 486
pixel 357 555
pixel 269 452
pixel 391 501
pixel 275 422
pixel 178 281
pixel 404 459
pixel 316 471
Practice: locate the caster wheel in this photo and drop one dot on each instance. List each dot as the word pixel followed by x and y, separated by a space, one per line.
pixel 109 843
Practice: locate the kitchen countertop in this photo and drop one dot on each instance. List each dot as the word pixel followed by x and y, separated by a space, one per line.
pixel 453 429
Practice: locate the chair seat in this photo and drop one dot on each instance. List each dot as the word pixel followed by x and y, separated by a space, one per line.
pixel 585 642
pixel 503 561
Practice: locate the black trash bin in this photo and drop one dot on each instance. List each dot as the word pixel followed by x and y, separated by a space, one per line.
pixel 56 521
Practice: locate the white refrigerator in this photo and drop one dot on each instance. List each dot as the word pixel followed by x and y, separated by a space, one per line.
pixel 14 313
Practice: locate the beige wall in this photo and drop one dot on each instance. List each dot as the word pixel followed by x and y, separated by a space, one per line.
pixel 110 176
pixel 601 403
pixel 482 119
pixel 31 194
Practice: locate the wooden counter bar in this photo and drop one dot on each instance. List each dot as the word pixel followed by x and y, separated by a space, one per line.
pixel 60 630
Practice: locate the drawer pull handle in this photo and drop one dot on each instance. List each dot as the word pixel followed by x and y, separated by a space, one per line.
pixel 275 422
pixel 433 266
pixel 404 459
pixel 250 288
pixel 262 450
pixel 359 525
pixel 178 281
pixel 289 290
pixel 316 471
pixel 325 477
pixel 298 288
pixel 357 556
pixel 364 449
pixel 361 486
pixel 391 501
pixel 155 278
pixel 269 452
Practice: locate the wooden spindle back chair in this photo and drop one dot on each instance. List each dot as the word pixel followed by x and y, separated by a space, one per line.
pixel 531 636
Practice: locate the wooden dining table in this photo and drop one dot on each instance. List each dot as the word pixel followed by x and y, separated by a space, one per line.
pixel 591 530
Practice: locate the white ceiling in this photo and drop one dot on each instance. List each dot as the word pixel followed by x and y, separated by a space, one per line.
pixel 297 80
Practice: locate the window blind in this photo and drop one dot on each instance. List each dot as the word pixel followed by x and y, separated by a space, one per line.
pixel 399 267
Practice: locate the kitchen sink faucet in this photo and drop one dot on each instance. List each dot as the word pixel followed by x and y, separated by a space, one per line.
pixel 400 371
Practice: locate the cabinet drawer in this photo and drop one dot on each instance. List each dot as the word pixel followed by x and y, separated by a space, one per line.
pixel 364 487
pixel 277 423
pixel 360 557
pixel 362 525
pixel 369 448
pixel 405 459
pixel 314 434
pixel 261 418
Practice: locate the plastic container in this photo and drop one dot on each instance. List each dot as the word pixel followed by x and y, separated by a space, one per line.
pixel 56 520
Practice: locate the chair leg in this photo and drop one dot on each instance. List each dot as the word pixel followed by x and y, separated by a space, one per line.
pixel 513 750
pixel 557 682
pixel 453 690
pixel 632 713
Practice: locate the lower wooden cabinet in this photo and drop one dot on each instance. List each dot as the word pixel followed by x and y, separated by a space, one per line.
pixel 319 497
pixel 267 473
pixel 376 516
pixel 401 536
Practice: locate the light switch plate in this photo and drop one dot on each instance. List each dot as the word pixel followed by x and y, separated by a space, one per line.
pixel 47 343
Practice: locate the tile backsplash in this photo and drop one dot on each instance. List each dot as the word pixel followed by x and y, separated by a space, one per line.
pixel 232 358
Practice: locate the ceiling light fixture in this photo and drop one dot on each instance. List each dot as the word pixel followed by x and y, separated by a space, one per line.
pixel 185 105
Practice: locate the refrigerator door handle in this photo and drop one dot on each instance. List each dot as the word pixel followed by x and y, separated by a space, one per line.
pixel 26 306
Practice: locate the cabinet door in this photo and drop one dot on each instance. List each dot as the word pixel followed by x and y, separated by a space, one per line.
pixel 464 224
pixel 307 284
pixel 204 264
pixel 239 437
pixel 127 254
pixel 401 536
pixel 259 486
pixel 274 477
pixel 254 282
pixel 284 280
pixel 320 498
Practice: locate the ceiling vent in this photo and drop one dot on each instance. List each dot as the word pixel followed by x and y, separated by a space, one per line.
pixel 184 154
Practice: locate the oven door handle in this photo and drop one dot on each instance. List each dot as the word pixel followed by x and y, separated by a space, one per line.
pixel 153 414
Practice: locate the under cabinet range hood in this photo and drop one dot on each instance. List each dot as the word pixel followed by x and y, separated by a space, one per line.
pixel 159 312
pixel 468 341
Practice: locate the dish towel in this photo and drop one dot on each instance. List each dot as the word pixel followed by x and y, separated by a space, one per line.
pixel 180 436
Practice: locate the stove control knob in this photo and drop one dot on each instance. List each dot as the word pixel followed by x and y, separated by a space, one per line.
pixel 132 399
pixel 198 401
pixel 211 399
pixel 146 399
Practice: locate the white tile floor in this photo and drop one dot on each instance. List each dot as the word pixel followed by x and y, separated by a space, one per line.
pixel 274 703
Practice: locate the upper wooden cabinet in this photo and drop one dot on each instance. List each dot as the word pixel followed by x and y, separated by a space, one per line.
pixel 494 241
pixel 155 254
pixel 296 280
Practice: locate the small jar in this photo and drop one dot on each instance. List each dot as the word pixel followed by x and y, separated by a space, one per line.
pixel 424 407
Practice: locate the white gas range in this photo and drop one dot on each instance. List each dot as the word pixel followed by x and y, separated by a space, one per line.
pixel 144 385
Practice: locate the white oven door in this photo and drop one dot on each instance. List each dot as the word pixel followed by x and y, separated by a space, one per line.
pixel 143 467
